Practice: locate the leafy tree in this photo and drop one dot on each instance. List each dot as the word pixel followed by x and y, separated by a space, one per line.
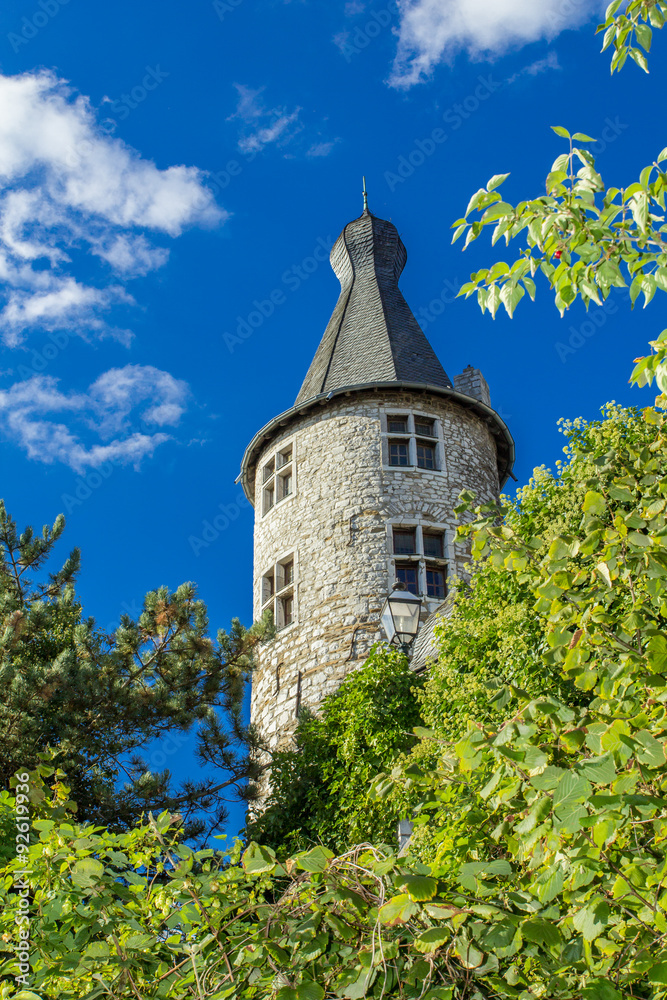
pixel 490 649
pixel 548 874
pixel 95 700
pixel 319 788
pixel 584 237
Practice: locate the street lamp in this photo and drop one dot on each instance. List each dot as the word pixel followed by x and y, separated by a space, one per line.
pixel 400 617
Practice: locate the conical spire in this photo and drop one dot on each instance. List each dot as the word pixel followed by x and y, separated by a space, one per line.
pixel 372 335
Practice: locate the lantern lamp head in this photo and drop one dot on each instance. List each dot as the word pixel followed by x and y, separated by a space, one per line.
pixel 400 617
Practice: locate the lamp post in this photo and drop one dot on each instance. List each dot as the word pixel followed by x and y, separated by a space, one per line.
pixel 400 617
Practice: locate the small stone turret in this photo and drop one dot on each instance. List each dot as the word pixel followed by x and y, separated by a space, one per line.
pixel 354 486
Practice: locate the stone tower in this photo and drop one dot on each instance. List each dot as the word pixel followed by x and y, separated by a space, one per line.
pixel 353 487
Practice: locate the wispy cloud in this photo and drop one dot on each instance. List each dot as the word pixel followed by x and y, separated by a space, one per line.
pixel 67 188
pixel 262 126
pixel 550 62
pixel 434 31
pixel 39 417
pixel 319 149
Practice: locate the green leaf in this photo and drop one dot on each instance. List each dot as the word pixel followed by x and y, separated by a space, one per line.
pixel 654 751
pixel 562 132
pixel 496 181
pixel 309 990
pixel 592 919
pixel 316 860
pixel 657 974
pixel 87 873
pixel 640 59
pixel 541 932
pixel 594 503
pixel 398 910
pixel 258 860
pixel 550 884
pixel 497 211
pixel 419 887
pixel 600 770
pixel 510 296
pixel 432 939
pixel 580 137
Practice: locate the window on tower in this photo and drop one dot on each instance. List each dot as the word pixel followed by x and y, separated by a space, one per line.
pixel 408 574
pixel 278 591
pixel 397 425
pixel 419 553
pixel 436 583
pixel 405 542
pixel 425 427
pixel 278 478
pixel 412 441
pixel 399 453
pixel 425 455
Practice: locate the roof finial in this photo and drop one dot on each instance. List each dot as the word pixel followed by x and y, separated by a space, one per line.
pixel 365 197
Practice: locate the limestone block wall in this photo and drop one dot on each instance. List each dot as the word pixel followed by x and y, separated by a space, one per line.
pixel 336 527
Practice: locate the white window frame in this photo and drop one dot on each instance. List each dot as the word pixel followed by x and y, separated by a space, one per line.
pixel 421 526
pixel 281 591
pixel 411 438
pixel 273 482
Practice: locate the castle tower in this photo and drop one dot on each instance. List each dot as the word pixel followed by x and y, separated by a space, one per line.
pixel 354 486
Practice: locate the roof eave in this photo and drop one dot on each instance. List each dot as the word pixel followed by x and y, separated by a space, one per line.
pixel 497 425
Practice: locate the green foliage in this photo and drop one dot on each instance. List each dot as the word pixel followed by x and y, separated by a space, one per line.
pixel 630 28
pixel 548 826
pixel 491 648
pixel 319 788
pixel 585 238
pixel 94 700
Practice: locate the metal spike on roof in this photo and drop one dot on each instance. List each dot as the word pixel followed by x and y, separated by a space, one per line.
pixel 372 335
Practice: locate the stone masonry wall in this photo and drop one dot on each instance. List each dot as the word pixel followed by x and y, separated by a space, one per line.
pixel 335 523
pixel 472 383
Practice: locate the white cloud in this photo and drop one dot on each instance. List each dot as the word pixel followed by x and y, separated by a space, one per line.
pixel 66 187
pixel 539 66
pixel 321 148
pixel 433 31
pixel 262 126
pixel 32 411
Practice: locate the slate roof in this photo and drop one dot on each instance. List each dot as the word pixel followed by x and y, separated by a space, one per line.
pixel 372 335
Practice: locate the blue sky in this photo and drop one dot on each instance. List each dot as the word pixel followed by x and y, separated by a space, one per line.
pixel 169 175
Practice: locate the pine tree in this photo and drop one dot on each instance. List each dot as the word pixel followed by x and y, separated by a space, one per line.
pixel 93 701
